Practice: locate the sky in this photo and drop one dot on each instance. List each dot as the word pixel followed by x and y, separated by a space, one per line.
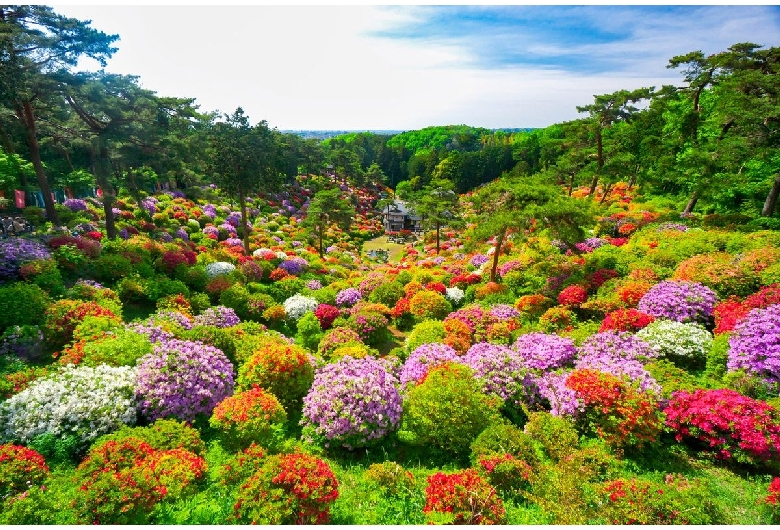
pixel 405 67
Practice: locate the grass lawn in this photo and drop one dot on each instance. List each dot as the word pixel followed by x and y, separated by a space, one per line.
pixel 393 249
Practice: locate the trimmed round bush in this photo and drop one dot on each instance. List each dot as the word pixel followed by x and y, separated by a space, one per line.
pixel 182 379
pixel 219 268
pixel 335 338
pixel 22 304
pixel 16 251
pixel 447 410
pixel 556 435
pixel 617 344
pixel 426 332
pixel 544 351
pixel 285 370
pixel 351 403
pixel 161 435
pixel 683 343
pixel 20 469
pixel 465 497
pixel 297 305
pixel 727 423
pixel 680 301
pixel 429 305
pixel 218 316
pixel 253 416
pixel 81 401
pixel 122 347
pixel 497 368
pixel 290 489
pixel 423 358
pixel 503 439
pixel 755 344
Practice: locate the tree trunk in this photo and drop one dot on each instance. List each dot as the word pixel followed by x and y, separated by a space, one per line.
pixel 27 117
pixel 499 242
pixel 691 203
pixel 100 162
pixel 606 192
pixel 571 184
pixel 593 184
pixel 771 200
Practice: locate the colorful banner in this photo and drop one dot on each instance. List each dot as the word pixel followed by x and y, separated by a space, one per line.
pixel 19 197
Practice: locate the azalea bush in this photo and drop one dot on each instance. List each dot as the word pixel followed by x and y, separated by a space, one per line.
pixel 543 351
pixel 292 488
pixel 725 423
pixel 182 379
pixel 20 469
pixel 447 409
pixel 681 301
pixel 252 416
pixel 82 401
pixel 352 403
pixel 285 370
pixel 463 498
pixel 755 344
pixel 618 413
pixel 686 344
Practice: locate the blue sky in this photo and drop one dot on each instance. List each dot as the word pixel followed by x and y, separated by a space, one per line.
pixel 401 67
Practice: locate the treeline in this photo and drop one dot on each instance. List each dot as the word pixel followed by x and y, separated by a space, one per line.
pixel 709 144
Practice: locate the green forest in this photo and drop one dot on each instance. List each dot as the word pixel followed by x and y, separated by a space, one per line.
pixel 204 320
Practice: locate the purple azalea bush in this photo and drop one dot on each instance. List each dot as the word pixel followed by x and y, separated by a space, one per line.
pixel 680 301
pixel 423 358
pixel 617 344
pixel 351 403
pixel 16 251
pixel 182 379
pixel 348 297
pixel 543 351
pixel 498 368
pixel 550 389
pixel 218 316
pixel 504 312
pixel 75 205
pixel 755 344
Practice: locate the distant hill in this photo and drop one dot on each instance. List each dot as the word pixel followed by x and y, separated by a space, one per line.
pixel 323 135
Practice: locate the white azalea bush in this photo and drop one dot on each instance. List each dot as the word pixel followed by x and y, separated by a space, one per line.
pixel 687 342
pixel 455 295
pixel 219 268
pixel 82 401
pixel 298 305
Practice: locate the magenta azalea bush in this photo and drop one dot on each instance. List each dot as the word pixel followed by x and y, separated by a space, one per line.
pixel 182 379
pixel 755 344
pixel 351 403
pixel 680 301
pixel 218 316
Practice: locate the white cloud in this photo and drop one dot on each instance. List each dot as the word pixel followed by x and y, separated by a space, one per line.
pixel 318 67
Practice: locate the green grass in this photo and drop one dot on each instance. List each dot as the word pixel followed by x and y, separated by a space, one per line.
pixel 394 249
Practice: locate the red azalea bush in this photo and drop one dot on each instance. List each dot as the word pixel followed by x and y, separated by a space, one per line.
pixel 468 497
pixel 767 296
pixel 573 296
pixel 600 277
pixel 292 488
pixel 509 475
pixel 458 336
pixel 639 501
pixel 772 500
pixel 726 422
pixel 121 481
pixel 625 320
pixel 326 314
pixel 728 313
pixel 631 292
pixel 62 317
pixel 171 259
pixel 20 468
pixel 464 280
pixel 533 304
pixel 620 414
pixel 557 318
pixel 438 287
pixel 285 370
pixel 253 416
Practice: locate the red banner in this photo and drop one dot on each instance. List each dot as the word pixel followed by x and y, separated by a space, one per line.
pixel 19 196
